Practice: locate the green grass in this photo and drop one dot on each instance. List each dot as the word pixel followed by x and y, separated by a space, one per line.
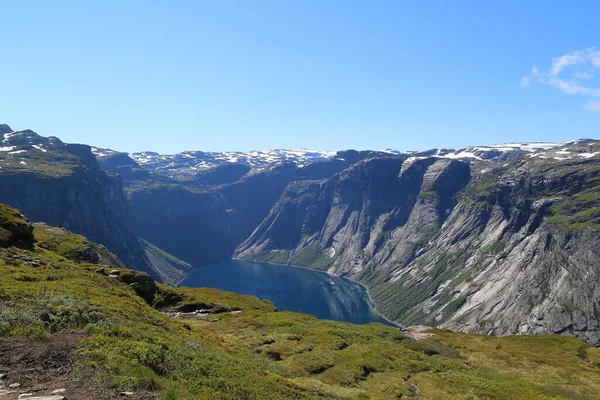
pixel 494 248
pixel 262 353
pixel 311 256
pixel 52 163
pixel 484 187
pixel 578 212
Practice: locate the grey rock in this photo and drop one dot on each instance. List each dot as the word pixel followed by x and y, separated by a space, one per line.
pixel 54 397
pixel 464 246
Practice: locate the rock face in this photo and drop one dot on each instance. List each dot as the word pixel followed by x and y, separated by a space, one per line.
pixel 62 185
pixel 493 248
pixel 75 194
pixel 201 226
pixel 204 219
pixel 376 211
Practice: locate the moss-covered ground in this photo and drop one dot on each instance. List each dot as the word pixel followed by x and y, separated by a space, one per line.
pixel 261 353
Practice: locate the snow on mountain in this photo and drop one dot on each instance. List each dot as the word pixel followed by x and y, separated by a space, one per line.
pixel 189 163
pixel 504 151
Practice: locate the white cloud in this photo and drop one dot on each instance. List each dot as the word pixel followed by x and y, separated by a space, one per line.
pixel 567 72
pixel 593 106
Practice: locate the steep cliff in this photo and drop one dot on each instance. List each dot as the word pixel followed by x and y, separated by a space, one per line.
pixel 519 254
pixel 203 218
pixel 377 211
pixel 487 247
pixel 62 185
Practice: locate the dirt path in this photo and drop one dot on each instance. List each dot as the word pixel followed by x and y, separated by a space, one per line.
pixel 43 366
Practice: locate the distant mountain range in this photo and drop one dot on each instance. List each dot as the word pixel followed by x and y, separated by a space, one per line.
pixel 189 163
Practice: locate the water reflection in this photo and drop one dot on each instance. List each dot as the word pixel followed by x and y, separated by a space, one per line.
pixel 292 289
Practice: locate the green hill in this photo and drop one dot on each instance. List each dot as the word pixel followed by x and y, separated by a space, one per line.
pixel 99 334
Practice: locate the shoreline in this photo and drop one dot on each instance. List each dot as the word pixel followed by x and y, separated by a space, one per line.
pixel 371 302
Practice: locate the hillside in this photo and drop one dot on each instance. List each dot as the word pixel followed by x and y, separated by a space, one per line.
pixel 67 325
pixel 484 246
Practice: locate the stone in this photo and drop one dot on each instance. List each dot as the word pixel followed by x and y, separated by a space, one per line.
pixel 101 271
pixel 14 385
pixel 126 394
pixel 46 398
pixel 4 392
pixel 115 272
pixel 59 391
pixel 25 395
pixel 2 376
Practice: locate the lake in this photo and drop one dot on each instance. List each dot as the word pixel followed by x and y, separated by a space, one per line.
pixel 290 288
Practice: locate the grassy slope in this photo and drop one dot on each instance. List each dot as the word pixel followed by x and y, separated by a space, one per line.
pixel 265 354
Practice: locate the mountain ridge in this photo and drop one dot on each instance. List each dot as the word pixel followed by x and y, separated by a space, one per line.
pixel 424 231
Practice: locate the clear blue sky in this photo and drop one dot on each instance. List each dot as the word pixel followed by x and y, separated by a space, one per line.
pixel 240 75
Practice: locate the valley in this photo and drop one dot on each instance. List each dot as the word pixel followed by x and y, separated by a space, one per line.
pixel 487 239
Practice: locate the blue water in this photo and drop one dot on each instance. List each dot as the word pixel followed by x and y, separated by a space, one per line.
pixel 290 288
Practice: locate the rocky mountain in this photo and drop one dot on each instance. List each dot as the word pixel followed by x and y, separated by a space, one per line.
pixel 485 246
pixel 496 239
pixel 189 163
pixel 192 163
pixel 62 185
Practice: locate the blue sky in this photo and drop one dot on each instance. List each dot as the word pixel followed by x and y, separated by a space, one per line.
pixel 242 75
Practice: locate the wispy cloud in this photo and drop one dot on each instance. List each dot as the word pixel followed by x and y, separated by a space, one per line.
pixel 593 106
pixel 568 73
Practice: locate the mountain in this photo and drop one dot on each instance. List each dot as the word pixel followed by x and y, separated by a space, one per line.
pixel 71 330
pixel 484 246
pixel 204 217
pixel 495 239
pixel 192 163
pixel 424 231
pixel 62 185
pixel 189 163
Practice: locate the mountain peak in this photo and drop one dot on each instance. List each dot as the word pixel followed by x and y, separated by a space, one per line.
pixel 4 128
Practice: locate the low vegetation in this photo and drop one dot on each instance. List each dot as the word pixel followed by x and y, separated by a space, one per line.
pixel 141 336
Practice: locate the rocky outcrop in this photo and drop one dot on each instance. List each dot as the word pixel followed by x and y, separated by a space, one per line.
pixel 74 247
pixel 15 229
pixel 62 185
pixel 493 248
pixel 518 255
pixel 377 211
